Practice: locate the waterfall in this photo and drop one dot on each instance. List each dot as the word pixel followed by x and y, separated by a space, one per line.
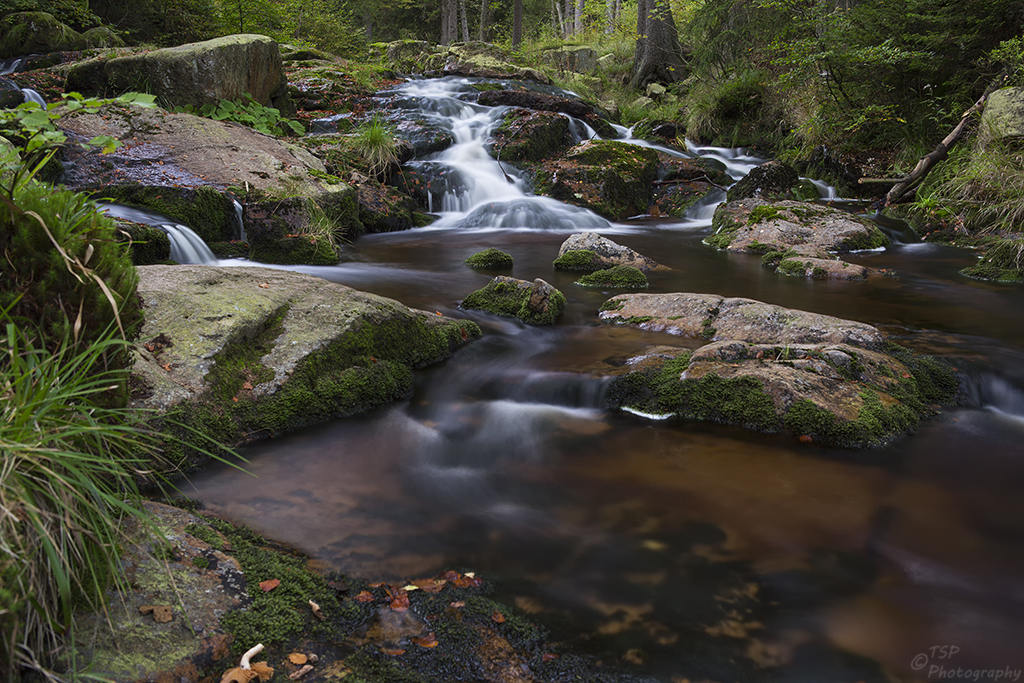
pixel 239 214
pixel 186 245
pixel 10 66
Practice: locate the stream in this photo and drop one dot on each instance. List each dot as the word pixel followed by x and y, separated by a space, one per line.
pixel 673 550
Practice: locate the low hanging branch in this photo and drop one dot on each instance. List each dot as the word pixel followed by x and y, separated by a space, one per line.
pixel 907 185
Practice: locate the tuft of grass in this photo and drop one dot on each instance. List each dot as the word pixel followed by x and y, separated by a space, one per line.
pixel 376 143
pixel 68 466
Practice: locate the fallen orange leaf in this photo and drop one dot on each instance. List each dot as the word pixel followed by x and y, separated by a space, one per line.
pixel 365 596
pixel 297 658
pixel 399 599
pixel 430 585
pixel 497 617
pixel 270 584
pixel 429 640
pixel 548 656
pixel 389 651
pixel 247 385
pixel 264 285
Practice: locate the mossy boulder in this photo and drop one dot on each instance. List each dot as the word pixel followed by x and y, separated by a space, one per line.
pixel 801 229
pixel 770 180
pixel 193 74
pixel 149 245
pixel 530 136
pixel 534 303
pixel 1003 118
pixel 492 259
pixel 616 277
pixel 590 251
pixel 613 179
pixel 1002 261
pixel 243 353
pixel 26 33
pixel 525 98
pixel 382 208
pixel 770 369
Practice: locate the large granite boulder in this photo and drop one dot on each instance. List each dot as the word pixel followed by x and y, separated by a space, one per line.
pixel 193 74
pixel 792 235
pixel 590 251
pixel 1003 118
pixel 772 180
pixel 184 166
pixel 244 353
pixel 26 33
pixel 534 303
pixel 772 369
pixel 535 101
pixel 530 136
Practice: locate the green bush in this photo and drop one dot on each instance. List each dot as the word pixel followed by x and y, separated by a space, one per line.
pixel 248 112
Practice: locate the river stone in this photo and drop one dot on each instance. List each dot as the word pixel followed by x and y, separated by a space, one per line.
pixel 714 317
pixel 27 33
pixel 198 581
pixel 534 303
pixel 307 350
pixel 608 253
pixel 770 180
pixel 193 74
pixel 822 269
pixel 1003 118
pixel 757 226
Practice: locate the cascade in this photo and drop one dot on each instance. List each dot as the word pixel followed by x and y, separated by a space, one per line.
pixel 10 66
pixel 186 245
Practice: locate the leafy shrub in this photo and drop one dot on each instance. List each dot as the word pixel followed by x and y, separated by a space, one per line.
pixel 248 112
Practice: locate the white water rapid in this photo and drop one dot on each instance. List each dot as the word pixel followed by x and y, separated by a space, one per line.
pixel 186 245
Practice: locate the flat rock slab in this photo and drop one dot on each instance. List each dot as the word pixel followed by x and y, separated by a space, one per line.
pixel 196 582
pixel 274 349
pixel 714 317
pixel 772 369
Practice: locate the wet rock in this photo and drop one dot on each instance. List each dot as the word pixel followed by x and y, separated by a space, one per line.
pixel 821 269
pixel 534 303
pixel 771 369
pixel 195 577
pixel 530 136
pixel 616 277
pixel 251 352
pixel 613 179
pixel 1003 118
pixel 807 230
pixel 770 180
pixel 603 254
pixel 26 33
pixel 193 74
pixel 383 208
pixel 490 258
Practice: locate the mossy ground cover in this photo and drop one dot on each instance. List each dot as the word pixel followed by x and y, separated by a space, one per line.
pixel 1004 262
pixel 492 259
pixel 577 259
pixel 619 277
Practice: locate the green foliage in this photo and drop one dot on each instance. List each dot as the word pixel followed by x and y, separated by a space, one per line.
pixel 1004 261
pixel 248 112
pixel 74 13
pixel 67 465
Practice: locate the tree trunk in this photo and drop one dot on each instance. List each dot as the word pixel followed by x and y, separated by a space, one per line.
pixel 449 22
pixel 611 13
pixel 517 23
pixel 567 18
pixel 465 21
pixel 368 27
pixel 578 24
pixel 658 54
pixel 484 20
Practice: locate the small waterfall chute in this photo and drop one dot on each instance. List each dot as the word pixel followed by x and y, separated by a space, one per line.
pixel 186 245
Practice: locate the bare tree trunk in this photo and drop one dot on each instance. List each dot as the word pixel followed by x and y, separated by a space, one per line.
pixel 578 24
pixel 567 18
pixel 658 56
pixel 517 23
pixel 610 16
pixel 484 20
pixel 465 21
pixel 368 27
pixel 449 22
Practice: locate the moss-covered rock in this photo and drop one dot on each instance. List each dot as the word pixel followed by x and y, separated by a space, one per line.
pixel 772 180
pixel 237 354
pixel 591 251
pixel 1003 261
pixel 26 33
pixel 149 245
pixel 534 303
pixel 490 258
pixel 577 259
pixel 800 228
pixel 619 277
pixel 613 179
pixel 530 136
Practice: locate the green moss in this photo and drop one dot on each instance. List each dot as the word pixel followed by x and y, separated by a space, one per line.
pixel 490 258
pixel 794 267
pixel 737 401
pixel 207 535
pixel 932 380
pixel 207 210
pixel 773 258
pixel 511 299
pixel 876 424
pixel 763 212
pixel 240 363
pixel 720 240
pixel 232 249
pixel 756 247
pixel 617 276
pixel 577 259
pixel 1003 262
pixel 149 245
pixel 873 238
pixel 200 562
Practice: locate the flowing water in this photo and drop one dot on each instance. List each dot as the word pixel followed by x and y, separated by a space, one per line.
pixel 682 551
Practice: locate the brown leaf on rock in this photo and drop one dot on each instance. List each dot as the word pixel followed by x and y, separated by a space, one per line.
pixel 497 617
pixel 270 584
pixel 430 585
pixel 247 385
pixel 301 672
pixel 297 658
pixel 394 653
pixel 364 596
pixel 161 613
pixel 259 671
pixel 399 598
pixel 428 640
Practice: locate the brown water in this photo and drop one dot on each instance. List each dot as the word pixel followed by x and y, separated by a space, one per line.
pixel 683 551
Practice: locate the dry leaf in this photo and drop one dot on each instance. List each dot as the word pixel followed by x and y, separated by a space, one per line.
pixel 161 613
pixel 364 596
pixel 264 285
pixel 497 617
pixel 389 651
pixel 548 656
pixel 301 672
pixel 247 385
pixel 297 658
pixel 166 366
pixel 429 640
pixel 259 671
pixel 458 603
pixel 316 610
pixel 270 584
pixel 430 585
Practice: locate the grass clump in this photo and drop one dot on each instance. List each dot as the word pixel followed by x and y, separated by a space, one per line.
pixel 490 258
pixel 376 143
pixel 1003 262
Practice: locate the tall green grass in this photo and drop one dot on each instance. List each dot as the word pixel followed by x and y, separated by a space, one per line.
pixel 376 143
pixel 68 468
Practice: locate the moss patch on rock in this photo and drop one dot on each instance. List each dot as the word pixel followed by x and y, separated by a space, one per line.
pixel 625 277
pixel 490 259
pixel 577 259
pixel 1003 262
pixel 534 303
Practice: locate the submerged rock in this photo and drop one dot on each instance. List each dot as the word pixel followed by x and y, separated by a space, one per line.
pixel 534 303
pixel 772 369
pixel 600 252
pixel 792 229
pixel 245 353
